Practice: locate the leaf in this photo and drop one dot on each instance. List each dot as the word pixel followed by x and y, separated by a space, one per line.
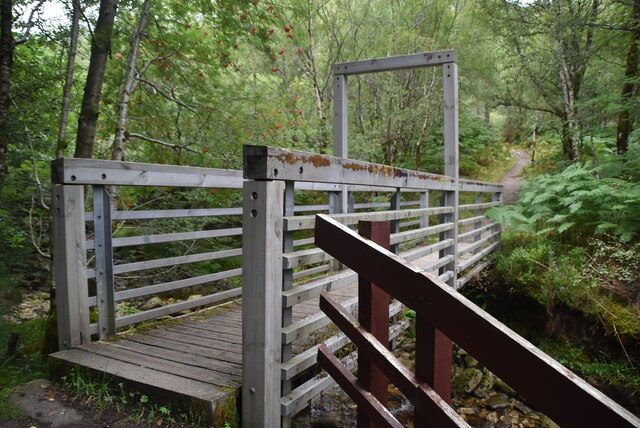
pixel 565 226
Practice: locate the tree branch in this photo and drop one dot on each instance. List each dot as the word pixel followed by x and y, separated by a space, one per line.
pixel 29 24
pixel 171 97
pixel 164 143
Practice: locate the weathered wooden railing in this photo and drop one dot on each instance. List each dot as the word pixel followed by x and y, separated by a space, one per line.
pixel 72 270
pixel 542 381
pixel 419 228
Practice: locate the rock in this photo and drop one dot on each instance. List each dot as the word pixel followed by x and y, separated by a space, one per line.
pixel 325 422
pixel 503 387
pixel 499 401
pixel 153 302
pixel 36 402
pixel 469 361
pixel 492 417
pixel 194 297
pixel 467 381
pixel 485 387
pixel 522 407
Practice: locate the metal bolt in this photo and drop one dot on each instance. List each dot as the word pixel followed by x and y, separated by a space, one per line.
pixel 252 390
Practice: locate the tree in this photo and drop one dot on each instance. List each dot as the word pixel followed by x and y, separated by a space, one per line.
pixel 631 76
pixel 7 46
pixel 100 50
pixel 61 143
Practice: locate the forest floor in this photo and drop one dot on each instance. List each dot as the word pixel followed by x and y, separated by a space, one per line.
pixel 45 404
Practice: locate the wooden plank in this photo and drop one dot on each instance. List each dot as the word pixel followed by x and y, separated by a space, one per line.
pixel 142 375
pixel 112 350
pixel 479 244
pixel 227 337
pixel 477 257
pixel 271 163
pixel 203 347
pixel 436 304
pixel 310 324
pixel 182 283
pixel 115 173
pixel 472 207
pixel 431 267
pixel 175 307
pixel 392 63
pixel 301 293
pixel 476 230
pixel 229 361
pixel 304 257
pixel 234 371
pixel 105 288
pixel 473 272
pixel 308 222
pixel 261 315
pixel 162 214
pixel 410 235
pixel 172 261
pixel 419 252
pixel 70 259
pixel 470 220
pixel 340 116
pixel 312 271
pixel 479 186
pixel 373 315
pixel 299 398
pixel 171 237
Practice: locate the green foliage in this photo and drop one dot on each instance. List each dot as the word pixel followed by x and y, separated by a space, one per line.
pixel 602 370
pixel 575 204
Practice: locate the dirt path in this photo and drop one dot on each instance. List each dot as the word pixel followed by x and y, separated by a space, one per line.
pixel 512 179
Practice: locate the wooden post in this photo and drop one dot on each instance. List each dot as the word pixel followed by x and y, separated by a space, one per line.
pixel 395 224
pixel 478 224
pixel 262 245
pixel 287 284
pixel 105 290
pixel 70 261
pixel 424 203
pixel 341 128
pixel 433 349
pixel 373 315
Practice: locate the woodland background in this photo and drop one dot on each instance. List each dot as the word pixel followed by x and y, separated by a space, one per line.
pixel 189 83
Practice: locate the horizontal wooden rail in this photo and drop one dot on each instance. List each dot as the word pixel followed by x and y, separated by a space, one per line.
pixel 523 366
pixel 170 237
pixel 475 232
pixel 410 235
pixel 170 261
pixel 482 206
pixel 308 222
pixel 164 287
pixel 114 173
pixel 163 214
pixel 479 244
pixel 272 163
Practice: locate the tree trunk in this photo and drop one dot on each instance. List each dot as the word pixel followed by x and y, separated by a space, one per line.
pixel 129 86
pixel 630 74
pixel 6 64
pixel 100 49
pixel 62 143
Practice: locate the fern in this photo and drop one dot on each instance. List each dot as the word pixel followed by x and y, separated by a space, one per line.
pixel 575 201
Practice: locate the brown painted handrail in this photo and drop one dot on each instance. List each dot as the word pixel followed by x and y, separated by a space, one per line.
pixel 543 382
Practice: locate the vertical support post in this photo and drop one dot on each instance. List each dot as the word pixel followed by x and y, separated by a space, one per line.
pixel 478 224
pixel 341 127
pixel 395 224
pixel 373 315
pixel 497 197
pixel 70 259
pixel 287 283
pixel 424 203
pixel 335 207
pixel 262 245
pixel 433 349
pixel 105 291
